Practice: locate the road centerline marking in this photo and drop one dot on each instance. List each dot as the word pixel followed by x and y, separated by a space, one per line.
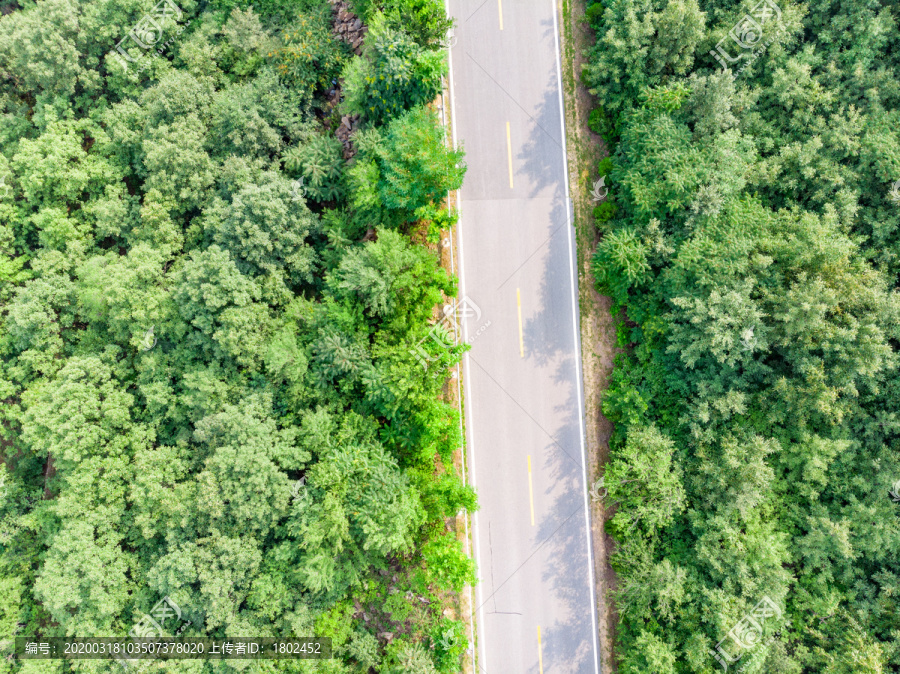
pixel 530 493
pixel 500 10
pixel 509 155
pixel 519 309
pixel 540 651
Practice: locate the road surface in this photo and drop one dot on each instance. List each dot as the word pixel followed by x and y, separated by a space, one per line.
pixel 535 607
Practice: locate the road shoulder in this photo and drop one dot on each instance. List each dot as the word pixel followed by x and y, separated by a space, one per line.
pixel 598 332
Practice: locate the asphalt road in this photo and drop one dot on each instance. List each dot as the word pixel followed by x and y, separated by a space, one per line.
pixel 535 607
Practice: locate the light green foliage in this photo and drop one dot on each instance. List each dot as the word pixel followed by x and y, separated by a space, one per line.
pixel 390 277
pixel 641 43
pixel 402 170
pixel 208 378
pixel 81 420
pixel 654 494
pixel 176 164
pixel 446 563
pixel 424 20
pixel 395 74
pixel 239 125
pixel 55 168
pixel 319 161
pixel 207 288
pixel 368 508
pixel 620 263
pixel 265 227
pixel 45 53
pixel 310 56
pixel 242 469
pixel 652 656
pixel 753 247
pixel 77 415
pixel 406 658
pixel 125 294
pixel 248 42
pixel 364 649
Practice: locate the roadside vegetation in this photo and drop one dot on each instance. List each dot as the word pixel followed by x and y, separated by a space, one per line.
pixel 216 265
pixel 750 244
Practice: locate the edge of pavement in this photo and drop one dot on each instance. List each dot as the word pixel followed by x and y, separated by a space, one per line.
pixel 452 262
pixel 598 326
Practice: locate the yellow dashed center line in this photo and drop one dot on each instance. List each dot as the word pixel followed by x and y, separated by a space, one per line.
pixel 500 9
pixel 540 651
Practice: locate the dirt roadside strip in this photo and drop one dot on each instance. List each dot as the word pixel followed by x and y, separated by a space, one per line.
pixel 598 330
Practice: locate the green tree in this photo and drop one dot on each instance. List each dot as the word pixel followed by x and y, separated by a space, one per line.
pixel 425 21
pixel 641 43
pixel 309 56
pixel 391 278
pixel 266 227
pixel 404 169
pixel 655 494
pixel 396 74
pixel 652 654
pixel 209 386
pixel 320 163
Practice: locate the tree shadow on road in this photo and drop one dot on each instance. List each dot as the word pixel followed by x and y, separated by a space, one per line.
pixel 552 341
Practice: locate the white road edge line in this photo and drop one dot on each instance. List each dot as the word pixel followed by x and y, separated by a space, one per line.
pixel 575 315
pixel 469 443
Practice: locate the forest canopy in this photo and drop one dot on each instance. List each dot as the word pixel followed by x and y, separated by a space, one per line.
pixel 217 227
pixel 751 244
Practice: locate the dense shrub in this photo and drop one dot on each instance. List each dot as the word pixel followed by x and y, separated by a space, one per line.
pixel 754 247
